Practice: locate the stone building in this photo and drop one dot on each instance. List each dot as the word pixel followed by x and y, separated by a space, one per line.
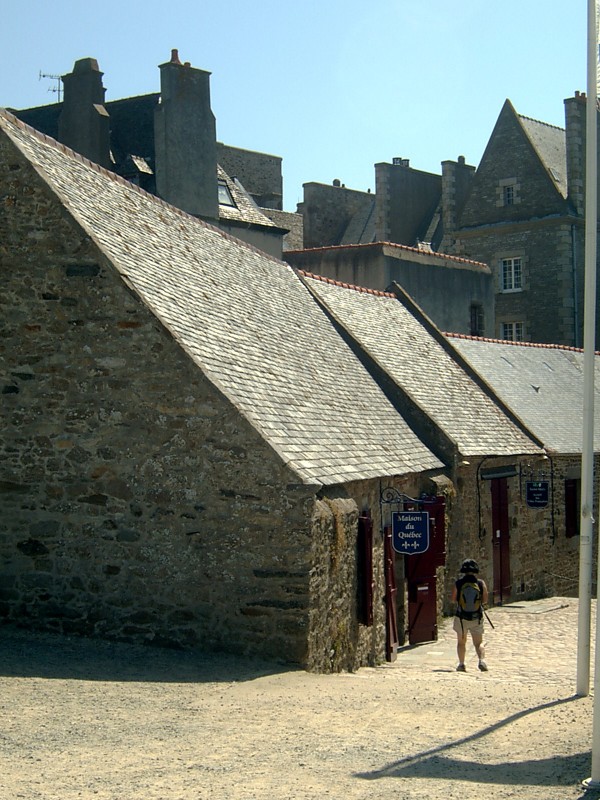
pixel 456 293
pixel 190 450
pixel 520 212
pixel 200 441
pixel 166 143
pixel 483 435
pixel 524 217
pixel 373 240
pixel 543 385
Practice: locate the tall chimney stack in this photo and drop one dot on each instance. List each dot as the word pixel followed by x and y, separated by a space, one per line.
pixel 83 124
pixel 185 140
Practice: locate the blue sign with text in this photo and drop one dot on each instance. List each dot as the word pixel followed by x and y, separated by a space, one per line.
pixel 410 532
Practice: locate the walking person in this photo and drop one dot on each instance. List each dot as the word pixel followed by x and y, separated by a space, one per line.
pixel 470 595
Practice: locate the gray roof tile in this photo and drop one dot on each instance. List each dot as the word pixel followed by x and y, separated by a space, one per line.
pixel 424 369
pixel 245 318
pixel 543 384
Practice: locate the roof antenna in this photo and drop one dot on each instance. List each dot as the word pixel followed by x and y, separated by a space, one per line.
pixel 58 88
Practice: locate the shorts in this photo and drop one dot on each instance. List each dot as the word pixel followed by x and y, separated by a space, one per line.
pixel 475 626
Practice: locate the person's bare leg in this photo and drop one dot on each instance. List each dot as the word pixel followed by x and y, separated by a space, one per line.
pixel 480 650
pixel 461 647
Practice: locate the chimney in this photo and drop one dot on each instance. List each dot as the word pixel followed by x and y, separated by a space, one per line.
pixel 185 140
pixel 83 124
pixel 456 182
pixel 575 137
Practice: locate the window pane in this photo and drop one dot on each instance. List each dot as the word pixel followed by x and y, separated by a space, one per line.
pixel 517 273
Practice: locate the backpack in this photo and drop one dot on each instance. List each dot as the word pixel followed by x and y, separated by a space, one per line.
pixel 469 598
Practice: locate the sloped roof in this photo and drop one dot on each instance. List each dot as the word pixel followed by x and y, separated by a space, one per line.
pixel 243 317
pixel 543 384
pixel 424 369
pixel 245 209
pixel 550 144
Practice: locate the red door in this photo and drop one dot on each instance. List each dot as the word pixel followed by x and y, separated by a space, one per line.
pixel 391 611
pixel 420 571
pixel 500 541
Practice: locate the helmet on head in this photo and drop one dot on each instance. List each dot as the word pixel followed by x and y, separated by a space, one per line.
pixel 469 566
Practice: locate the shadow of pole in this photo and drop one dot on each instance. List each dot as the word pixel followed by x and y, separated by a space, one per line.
pixel 406 766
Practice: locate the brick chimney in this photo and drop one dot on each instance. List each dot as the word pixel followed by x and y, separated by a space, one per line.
pixel 185 140
pixel 83 124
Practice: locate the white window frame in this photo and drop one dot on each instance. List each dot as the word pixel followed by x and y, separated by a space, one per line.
pixel 512 331
pixel 508 192
pixel 513 268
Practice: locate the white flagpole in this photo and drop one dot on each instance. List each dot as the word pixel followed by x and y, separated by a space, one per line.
pixel 589 325
pixel 587 450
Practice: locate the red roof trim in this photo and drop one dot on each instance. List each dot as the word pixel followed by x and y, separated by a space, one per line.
pixel 333 282
pixel 540 345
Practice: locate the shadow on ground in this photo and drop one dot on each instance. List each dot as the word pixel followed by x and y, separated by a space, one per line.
pixel 25 654
pixel 435 763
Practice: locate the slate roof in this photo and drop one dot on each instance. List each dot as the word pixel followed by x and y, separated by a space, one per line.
pixel 550 144
pixel 244 318
pixel 543 384
pixel 245 210
pixel 132 142
pixel 423 367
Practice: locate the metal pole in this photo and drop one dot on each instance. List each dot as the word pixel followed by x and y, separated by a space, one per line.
pixel 587 450
pixel 589 325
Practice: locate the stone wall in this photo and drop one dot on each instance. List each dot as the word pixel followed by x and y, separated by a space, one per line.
pixel 552 258
pixel 327 211
pixel 136 503
pixel 259 173
pixel 544 562
pixel 337 640
pixel 406 201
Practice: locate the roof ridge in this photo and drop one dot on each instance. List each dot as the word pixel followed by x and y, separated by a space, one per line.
pixel 541 122
pixel 449 256
pixel 540 345
pixel 343 285
pixel 67 151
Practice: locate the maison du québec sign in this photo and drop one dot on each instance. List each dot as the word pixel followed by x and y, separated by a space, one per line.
pixel 410 532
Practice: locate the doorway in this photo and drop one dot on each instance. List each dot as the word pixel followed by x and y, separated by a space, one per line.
pixel 500 541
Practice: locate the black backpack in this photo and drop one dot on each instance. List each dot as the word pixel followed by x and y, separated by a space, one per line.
pixel 469 605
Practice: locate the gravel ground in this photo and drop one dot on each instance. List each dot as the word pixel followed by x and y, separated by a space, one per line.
pixel 93 719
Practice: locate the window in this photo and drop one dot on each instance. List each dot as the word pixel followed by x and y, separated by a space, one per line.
pixel 508 192
pixel 513 331
pixel 225 198
pixel 511 275
pixel 572 502
pixel 476 326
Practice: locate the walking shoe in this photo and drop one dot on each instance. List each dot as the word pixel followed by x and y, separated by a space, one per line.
pixel 461 668
pixel 483 666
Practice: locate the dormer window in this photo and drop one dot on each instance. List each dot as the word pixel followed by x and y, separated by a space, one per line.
pixel 509 195
pixel 225 198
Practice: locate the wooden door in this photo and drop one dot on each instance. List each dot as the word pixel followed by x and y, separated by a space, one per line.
pixel 500 541
pixel 391 611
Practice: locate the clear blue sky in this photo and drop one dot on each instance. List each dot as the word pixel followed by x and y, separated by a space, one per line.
pixel 332 87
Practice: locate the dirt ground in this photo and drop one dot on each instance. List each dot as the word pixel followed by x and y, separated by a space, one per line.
pixel 92 719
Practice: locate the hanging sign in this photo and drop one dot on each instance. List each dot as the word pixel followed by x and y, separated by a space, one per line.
pixel 410 532
pixel 537 494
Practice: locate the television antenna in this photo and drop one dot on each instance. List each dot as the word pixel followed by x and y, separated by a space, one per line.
pixel 57 88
